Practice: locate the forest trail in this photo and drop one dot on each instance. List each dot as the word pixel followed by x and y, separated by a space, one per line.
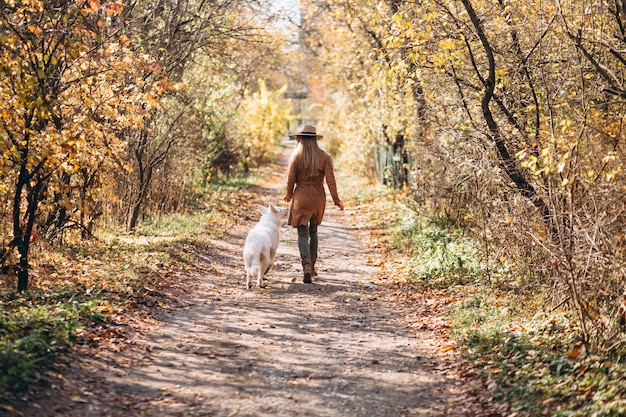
pixel 337 347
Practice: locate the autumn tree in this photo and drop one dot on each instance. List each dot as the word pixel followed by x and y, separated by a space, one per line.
pixel 260 117
pixel 61 105
pixel 513 113
pixel 355 95
pixel 169 34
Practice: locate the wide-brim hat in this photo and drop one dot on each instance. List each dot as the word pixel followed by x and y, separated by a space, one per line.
pixel 306 131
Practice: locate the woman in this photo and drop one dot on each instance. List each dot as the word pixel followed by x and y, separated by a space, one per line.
pixel 308 167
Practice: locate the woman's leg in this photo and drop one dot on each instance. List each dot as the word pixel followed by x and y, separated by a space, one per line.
pixel 303 242
pixel 305 252
pixel 313 246
pixel 313 240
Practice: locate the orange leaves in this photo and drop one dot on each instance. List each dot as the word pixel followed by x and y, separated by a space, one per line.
pixel 93 5
pixel 124 40
pixel 110 8
pixel 449 347
pixel 31 6
pixel 36 30
pixel 576 352
pixel 114 8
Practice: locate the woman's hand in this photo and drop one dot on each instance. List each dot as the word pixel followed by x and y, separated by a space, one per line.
pixel 340 205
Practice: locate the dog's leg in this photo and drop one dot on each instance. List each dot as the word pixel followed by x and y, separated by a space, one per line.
pixel 259 279
pixel 271 262
pixel 247 279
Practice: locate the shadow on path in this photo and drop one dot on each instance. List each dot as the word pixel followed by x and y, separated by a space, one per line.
pixel 331 348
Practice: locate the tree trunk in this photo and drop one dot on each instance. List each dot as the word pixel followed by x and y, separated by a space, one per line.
pixel 133 215
pixel 23 228
pixel 19 232
pixel 22 272
pixel 135 208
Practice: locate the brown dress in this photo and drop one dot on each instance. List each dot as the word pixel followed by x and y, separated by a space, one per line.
pixel 308 200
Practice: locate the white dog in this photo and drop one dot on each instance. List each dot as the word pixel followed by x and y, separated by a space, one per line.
pixel 261 244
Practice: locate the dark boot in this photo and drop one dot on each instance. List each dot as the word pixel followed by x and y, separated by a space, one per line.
pixel 308 270
pixel 313 271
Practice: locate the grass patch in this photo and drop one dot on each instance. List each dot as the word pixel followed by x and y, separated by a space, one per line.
pixel 534 363
pixel 82 294
pixel 440 257
pixel 361 193
pixel 30 336
pixel 176 224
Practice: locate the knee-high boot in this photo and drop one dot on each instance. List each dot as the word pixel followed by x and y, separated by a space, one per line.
pixel 307 269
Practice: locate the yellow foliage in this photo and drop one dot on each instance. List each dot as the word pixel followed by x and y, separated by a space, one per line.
pixel 261 122
pixel 63 98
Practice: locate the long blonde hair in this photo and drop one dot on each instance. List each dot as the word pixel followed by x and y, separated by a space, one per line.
pixel 306 157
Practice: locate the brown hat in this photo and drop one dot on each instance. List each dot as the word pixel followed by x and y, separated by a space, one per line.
pixel 306 131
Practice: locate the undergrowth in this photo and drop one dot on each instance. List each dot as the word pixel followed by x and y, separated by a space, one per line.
pixel 534 364
pixel 31 335
pixel 87 292
pixel 440 256
pixel 524 351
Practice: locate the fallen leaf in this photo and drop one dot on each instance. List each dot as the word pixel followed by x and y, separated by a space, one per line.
pixel 574 353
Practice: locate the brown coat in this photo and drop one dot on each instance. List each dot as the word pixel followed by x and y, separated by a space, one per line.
pixel 308 200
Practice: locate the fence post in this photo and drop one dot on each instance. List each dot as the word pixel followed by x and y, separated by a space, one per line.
pixel 391 166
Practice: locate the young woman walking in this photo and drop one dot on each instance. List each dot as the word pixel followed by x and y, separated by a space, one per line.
pixel 308 167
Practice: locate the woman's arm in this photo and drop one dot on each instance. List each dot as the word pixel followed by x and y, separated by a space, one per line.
pixel 329 173
pixel 291 182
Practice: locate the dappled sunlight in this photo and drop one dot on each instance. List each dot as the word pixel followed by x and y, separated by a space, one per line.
pixel 208 345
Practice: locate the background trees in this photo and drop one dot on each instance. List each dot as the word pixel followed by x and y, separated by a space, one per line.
pixel 512 113
pixel 182 39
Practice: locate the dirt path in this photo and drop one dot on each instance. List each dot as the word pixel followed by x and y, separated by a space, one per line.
pixel 333 348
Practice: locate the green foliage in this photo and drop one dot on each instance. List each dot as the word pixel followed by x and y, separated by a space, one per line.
pixel 31 336
pixel 441 257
